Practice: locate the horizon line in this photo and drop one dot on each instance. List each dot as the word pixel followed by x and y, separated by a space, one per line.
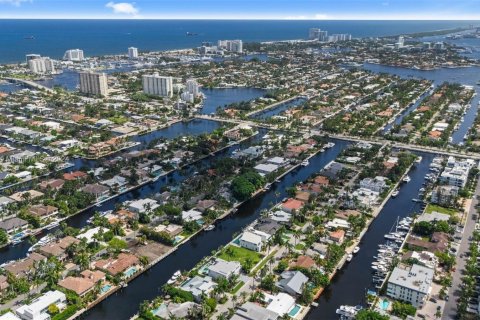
pixel 238 19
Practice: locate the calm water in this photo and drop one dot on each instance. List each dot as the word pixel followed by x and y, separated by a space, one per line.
pixel 350 284
pixel 221 97
pixel 147 286
pixel 100 37
pixel 280 108
pixel 467 76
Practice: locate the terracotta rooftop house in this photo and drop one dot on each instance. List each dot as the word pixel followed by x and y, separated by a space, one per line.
pixel 386 113
pixel 203 205
pixel 292 205
pixel 55 184
pixel 337 236
pixel 321 180
pixel 434 134
pixel 22 195
pixel 42 211
pixel 117 265
pixel 74 175
pixel 304 262
pixel 80 286
pixel 311 188
pixel 423 109
pixel 95 275
pixel 344 214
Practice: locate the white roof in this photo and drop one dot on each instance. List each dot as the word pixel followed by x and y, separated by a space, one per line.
pixel 266 167
pixel 34 310
pixel 142 204
pixel 191 215
pixel 88 235
pixel 251 237
pixel 9 316
pixel 276 160
pixel 282 303
pixel 417 278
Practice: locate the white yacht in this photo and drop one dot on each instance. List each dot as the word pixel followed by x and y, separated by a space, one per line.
pixel 406 179
pixel 305 163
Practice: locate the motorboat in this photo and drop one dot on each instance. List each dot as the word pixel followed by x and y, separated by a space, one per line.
pixel 395 193
pixel 406 179
pixel 348 312
pixel 305 163
pixel 210 227
pixel 356 249
pixel 52 225
pixel 349 257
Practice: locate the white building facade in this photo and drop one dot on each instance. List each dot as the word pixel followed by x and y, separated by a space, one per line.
pixel 158 85
pixel 93 83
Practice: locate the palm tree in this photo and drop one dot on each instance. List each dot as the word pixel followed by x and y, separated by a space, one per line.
pixel 234 300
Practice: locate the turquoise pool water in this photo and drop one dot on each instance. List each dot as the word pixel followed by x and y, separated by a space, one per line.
pixel 105 288
pixel 294 310
pixel 177 239
pixel 130 272
pixel 384 304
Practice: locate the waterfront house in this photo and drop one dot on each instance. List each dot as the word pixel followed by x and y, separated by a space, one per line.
pixel 172 229
pixel 143 205
pixel 292 282
pixel 22 156
pixel 97 190
pixel 169 310
pixel 268 226
pixel 116 182
pixel 9 315
pixel 377 184
pixel 278 161
pixel 191 215
pixel 303 196
pixel 292 205
pixel 253 311
pixel 204 205
pixel 38 309
pixel 79 285
pixel 22 268
pixel 199 286
pixel 42 211
pixel 411 284
pixel 281 303
pixel 4 201
pixel 13 225
pixel 251 241
pixel 337 236
pixel 58 248
pixel 265 168
pixel 280 216
pixel 322 181
pixel 117 265
pixel 319 248
pixel 221 268
pixel 3 284
pixel 305 262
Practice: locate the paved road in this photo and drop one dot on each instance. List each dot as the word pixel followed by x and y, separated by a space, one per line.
pixel 450 310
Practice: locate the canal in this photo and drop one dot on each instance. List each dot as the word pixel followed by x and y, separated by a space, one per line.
pixel 124 303
pixel 279 109
pixel 466 76
pixel 350 284
pixel 221 97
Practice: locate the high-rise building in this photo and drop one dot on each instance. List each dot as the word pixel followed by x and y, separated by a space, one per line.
pixel 400 43
pixel 231 45
pixel 32 56
pixel 158 85
pixel 317 34
pixel 94 83
pixel 41 65
pixel 192 87
pixel 73 55
pixel 132 53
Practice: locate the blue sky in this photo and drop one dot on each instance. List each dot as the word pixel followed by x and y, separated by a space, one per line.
pixel 244 9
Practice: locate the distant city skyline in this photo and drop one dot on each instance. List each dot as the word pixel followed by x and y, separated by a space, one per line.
pixel 245 9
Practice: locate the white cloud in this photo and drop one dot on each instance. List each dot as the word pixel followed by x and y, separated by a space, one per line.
pixel 295 18
pixel 320 16
pixel 15 3
pixel 122 7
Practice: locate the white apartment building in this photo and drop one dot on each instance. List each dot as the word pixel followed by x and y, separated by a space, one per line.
pixel 93 83
pixel 41 65
pixel 32 56
pixel 132 53
pixel 456 172
pixel 73 55
pixel 231 45
pixel 158 85
pixel 410 284
pixel 192 87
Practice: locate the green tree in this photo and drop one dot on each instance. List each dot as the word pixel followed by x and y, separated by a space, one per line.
pixel 367 314
pixel 403 310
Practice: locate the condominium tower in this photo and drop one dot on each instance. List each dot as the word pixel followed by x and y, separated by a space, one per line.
pixel 158 85
pixel 93 83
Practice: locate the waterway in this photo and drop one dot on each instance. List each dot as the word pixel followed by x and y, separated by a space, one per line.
pixel 279 109
pixel 350 284
pixel 218 97
pixel 466 76
pixel 399 118
pixel 147 286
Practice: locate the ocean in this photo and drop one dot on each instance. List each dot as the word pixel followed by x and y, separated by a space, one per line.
pixel 99 37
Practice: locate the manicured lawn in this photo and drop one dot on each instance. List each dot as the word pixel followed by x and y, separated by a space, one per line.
pixel 300 246
pixel 233 253
pixel 432 207
pixel 237 287
pixel 263 263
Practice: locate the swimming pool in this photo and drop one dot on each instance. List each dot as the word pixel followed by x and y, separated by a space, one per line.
pixel 178 239
pixel 130 271
pixel 105 288
pixel 292 313
pixel 384 304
